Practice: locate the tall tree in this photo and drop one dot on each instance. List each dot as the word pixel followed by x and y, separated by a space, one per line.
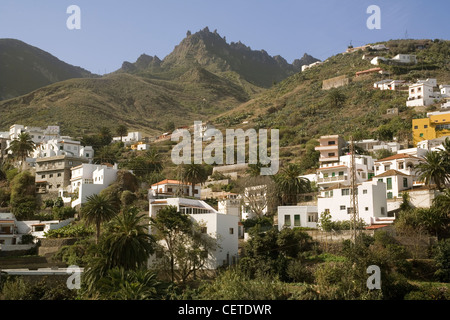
pixel 168 226
pixel 97 210
pixel 335 98
pixel 122 131
pixel 290 184
pixel 194 174
pixel 432 170
pixel 22 146
pixel 127 243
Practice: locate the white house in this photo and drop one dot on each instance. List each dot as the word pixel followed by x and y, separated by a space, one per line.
pixel 38 228
pixel 405 58
pixel 143 146
pixel 8 230
pixel 230 204
pixel 37 134
pixel 376 61
pixel 129 138
pixel 421 94
pixel 221 227
pixel 169 187
pixel 306 67
pixel 339 172
pixel 297 216
pixel 401 162
pixel 445 90
pixel 62 146
pixel 90 179
pixel 371 197
pixel 431 81
pixel 396 182
pixel 382 84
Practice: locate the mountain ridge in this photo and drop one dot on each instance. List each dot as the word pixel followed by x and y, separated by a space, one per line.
pixel 24 68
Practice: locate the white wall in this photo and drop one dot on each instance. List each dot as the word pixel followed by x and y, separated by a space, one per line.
pixel 302 211
pixel 218 226
pixel 370 202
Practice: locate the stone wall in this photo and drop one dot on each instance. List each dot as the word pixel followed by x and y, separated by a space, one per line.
pixel 335 82
pixel 49 246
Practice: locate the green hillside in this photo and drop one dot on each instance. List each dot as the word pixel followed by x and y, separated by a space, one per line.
pixel 24 68
pixel 302 110
pixel 203 77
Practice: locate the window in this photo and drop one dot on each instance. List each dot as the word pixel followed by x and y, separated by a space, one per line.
pixel 169 189
pixel 387 167
pixel 287 220
pixel 341 173
pixel 389 183
pixel 366 208
pixel 364 191
pixel 195 191
pixel 297 220
pixel 401 165
pixel 87 155
pixel 330 143
pixel 342 207
pixel 425 126
pixel 51 175
pixel 325 175
pixel 389 195
pixel 345 192
pixel 231 230
pixel 331 154
pixel 39 228
pixel 416 127
pixel 333 174
pixel 405 182
pixel 349 210
pixel 59 174
pixel 43 176
pixel 421 135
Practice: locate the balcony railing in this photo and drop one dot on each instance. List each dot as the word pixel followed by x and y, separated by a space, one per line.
pixel 332 179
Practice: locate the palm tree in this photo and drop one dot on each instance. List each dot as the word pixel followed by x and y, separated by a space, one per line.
pixel 290 185
pixel 121 131
pixel 127 243
pixel 121 284
pixel 445 153
pixel 442 202
pixel 432 170
pixel 193 174
pixel 97 210
pixel 22 146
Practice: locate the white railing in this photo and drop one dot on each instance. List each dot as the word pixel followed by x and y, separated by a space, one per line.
pixel 332 179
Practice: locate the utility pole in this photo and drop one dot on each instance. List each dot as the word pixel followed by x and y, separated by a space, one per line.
pixel 354 191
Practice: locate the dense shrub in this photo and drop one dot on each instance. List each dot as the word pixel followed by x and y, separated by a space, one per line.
pixel 70 231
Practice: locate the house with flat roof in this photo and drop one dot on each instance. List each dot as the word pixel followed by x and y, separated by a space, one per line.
pixel 221 227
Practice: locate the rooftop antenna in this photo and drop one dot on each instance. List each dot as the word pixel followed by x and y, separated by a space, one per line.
pixel 406 34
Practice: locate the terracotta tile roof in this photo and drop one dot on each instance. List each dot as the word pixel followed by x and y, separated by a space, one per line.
pixel 399 156
pixel 391 172
pixel 169 181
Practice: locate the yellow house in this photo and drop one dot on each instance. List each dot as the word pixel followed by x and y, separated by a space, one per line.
pixel 435 126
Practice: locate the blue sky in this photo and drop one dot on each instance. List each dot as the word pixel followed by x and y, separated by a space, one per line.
pixel 116 31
